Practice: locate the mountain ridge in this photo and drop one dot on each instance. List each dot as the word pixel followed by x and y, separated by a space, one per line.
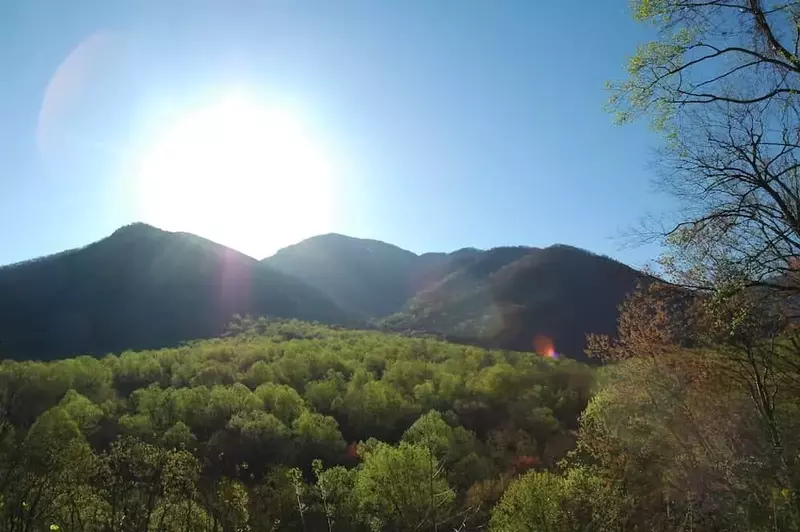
pixel 143 287
pixel 505 296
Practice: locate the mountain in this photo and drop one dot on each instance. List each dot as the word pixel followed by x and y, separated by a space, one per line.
pixel 504 297
pixel 516 297
pixel 141 288
pixel 367 277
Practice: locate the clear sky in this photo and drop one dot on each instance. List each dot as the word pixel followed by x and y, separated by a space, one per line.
pixel 439 124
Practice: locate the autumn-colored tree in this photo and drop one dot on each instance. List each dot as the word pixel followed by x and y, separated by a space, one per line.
pixel 703 389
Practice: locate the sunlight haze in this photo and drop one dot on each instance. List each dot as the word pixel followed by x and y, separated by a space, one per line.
pixel 231 168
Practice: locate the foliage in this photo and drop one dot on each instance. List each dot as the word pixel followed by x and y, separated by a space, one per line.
pixel 738 52
pixel 722 79
pixel 401 488
pixel 695 422
pixel 696 417
pixel 274 427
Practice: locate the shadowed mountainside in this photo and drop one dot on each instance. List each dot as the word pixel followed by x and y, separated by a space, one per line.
pixel 504 297
pixel 509 297
pixel 367 277
pixel 141 288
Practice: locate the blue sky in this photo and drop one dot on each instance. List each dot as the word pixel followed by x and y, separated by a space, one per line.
pixel 453 123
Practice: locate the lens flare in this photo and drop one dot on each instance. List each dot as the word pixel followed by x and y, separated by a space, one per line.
pixel 543 346
pixel 71 92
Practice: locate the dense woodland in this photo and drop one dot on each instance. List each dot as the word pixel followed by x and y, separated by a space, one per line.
pixel 286 425
pixel 281 425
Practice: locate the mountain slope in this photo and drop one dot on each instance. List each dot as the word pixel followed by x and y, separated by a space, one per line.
pixel 506 297
pixel 139 288
pixel 509 297
pixel 142 287
pixel 366 277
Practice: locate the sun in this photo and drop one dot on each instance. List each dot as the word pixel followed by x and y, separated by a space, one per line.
pixel 239 172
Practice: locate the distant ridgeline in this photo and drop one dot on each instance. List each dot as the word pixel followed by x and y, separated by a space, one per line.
pixel 143 288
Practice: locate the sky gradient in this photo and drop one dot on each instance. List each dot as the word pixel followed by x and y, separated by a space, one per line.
pixel 452 123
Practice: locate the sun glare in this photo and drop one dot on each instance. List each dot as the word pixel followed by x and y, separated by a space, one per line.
pixel 238 172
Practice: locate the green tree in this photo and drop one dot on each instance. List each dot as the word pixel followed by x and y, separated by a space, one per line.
pixel 227 401
pixel 532 504
pixel 273 502
pixel 737 52
pixel 85 413
pixel 456 449
pixel 546 502
pixel 228 503
pixel 179 436
pixel 281 400
pixel 402 488
pixel 375 408
pixel 144 485
pixel 252 441
pixel 326 396
pixel 258 374
pixel 48 483
pixel 317 436
pixel 335 489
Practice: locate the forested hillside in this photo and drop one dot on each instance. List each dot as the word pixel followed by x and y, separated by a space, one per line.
pixel 285 425
pixel 140 288
pixel 503 297
pixel 281 425
pixel 367 277
pixel 509 297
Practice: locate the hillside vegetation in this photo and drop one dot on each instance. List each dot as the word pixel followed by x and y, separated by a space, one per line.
pixel 691 423
pixel 281 425
pixel 286 425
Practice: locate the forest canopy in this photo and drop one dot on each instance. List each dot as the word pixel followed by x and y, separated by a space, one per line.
pixel 281 425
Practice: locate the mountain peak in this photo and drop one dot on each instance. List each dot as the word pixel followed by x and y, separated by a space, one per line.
pixel 138 288
pixel 337 242
pixel 367 277
pixel 142 287
pixel 508 296
pixel 137 228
